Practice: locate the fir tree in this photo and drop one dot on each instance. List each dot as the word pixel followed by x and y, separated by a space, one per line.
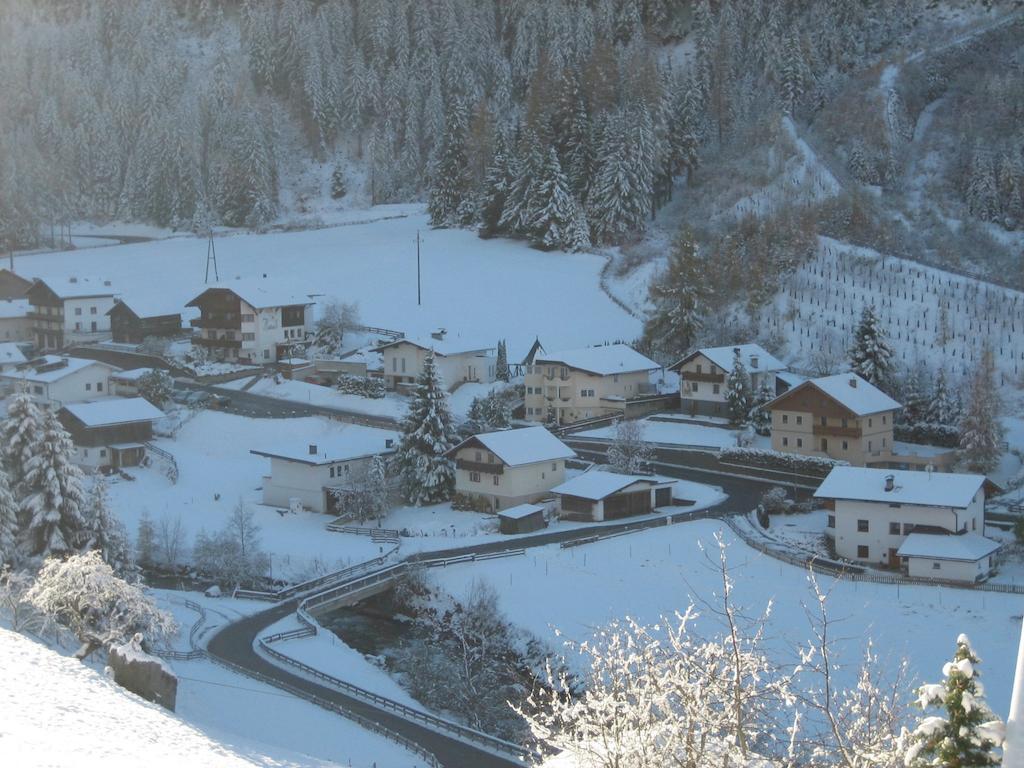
pixel 145 541
pixel 981 431
pixel 338 187
pixel 8 523
pixel 501 371
pixel 968 734
pixel 871 357
pixel 552 223
pixel 106 534
pixel 760 415
pixel 497 183
pixel 487 414
pixel 916 396
pixel 426 474
pixel 377 487
pixel 53 502
pixel 738 391
pixel 450 187
pixel 676 294
pixel 21 432
pixel 942 406
pixel 520 204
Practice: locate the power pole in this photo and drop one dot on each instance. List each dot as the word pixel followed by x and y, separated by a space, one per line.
pixel 419 293
pixel 211 258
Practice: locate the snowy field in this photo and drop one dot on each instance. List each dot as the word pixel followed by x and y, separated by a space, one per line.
pixel 654 573
pixel 479 290
pixel 669 433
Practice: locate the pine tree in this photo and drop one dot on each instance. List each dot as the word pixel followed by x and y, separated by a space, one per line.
pixel 338 186
pixel 760 415
pixel 520 204
pixel 501 372
pixel 53 502
pixel 916 396
pixel 8 523
pixel 426 474
pixel 738 391
pixel 145 541
pixel 968 734
pixel 497 183
pixel 449 188
pixel 871 357
pixel 106 534
pixel 377 486
pixel 552 223
pixel 21 432
pixel 942 406
pixel 981 431
pixel 678 295
pixel 620 197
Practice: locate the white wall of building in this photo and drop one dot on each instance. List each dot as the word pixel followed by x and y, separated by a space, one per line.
pixel 85 318
pixel 516 485
pixel 959 570
pixel 293 479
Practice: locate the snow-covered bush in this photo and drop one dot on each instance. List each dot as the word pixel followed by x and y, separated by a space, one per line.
pixel 364 386
pixel 84 594
pixel 790 462
pixel 156 386
pixel 942 435
pixel 629 453
pixel 470 503
pixel 775 502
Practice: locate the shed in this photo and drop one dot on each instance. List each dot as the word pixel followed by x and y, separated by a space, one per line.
pixel 953 557
pixel 523 518
pixel 599 496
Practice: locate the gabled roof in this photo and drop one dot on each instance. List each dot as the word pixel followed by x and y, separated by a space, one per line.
pixel 72 287
pixel 114 410
pixel 11 354
pixel 133 374
pixel 723 358
pixel 50 368
pixel 966 547
pixel 603 360
pixel 852 392
pixel 516 447
pixel 520 511
pixel 150 307
pixel 596 485
pixel 348 444
pixel 258 293
pixel 930 489
pixel 441 347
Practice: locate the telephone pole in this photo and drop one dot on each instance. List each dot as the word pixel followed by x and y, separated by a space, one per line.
pixel 211 258
pixel 419 292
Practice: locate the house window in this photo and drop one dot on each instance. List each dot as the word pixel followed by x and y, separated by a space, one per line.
pixel 824 421
pixel 554 466
pixel 246 318
pixel 248 337
pixel 894 529
pixel 824 444
pixel 883 419
pixel 693 386
pixel 785 441
pixel 862 552
pixel 700 368
pixel 92 325
pixel 403 365
pixel 936 566
pixel 332 472
pixel 394 364
pixel 799 419
pixel 78 326
pixel 862 526
pixel 474 477
pixel 846 445
pixel 883 442
pixel 785 418
pixel 974 524
pixel 266 354
pixel 479 457
pixel 85 453
pixel 845 423
pixel 496 479
pixel 37 389
pixel 831 522
pixel 586 393
pixel 615 378
pixel 799 442
pixel 715 388
pixel 103 453
pixel 895 505
pixel 78 310
pixel 88 387
pixel 869 422
pixel 99 386
pixel 92 310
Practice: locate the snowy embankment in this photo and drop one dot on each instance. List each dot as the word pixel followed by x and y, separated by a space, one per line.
pixel 480 290
pixel 576 591
pixel 390 406
pixel 222 720
pixel 668 433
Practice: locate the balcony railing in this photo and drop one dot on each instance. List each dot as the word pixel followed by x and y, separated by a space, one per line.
pixel 711 378
pixel 480 466
pixel 820 429
pixel 217 321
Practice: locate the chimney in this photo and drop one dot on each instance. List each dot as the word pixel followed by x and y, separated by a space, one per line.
pixel 389 443
pixel 106 283
pixel 853 382
pixel 753 361
pixel 72 279
pixel 439 334
pixel 890 483
pixel 312 449
pixel 735 350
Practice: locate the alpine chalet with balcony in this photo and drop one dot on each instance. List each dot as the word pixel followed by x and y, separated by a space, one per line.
pixel 70 311
pixel 703 374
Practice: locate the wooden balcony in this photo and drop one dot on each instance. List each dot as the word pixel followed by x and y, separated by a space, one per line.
pixel 710 378
pixel 217 343
pixel 829 431
pixel 217 321
pixel 480 466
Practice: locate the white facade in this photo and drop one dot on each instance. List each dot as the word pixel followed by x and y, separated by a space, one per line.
pixel 15 324
pixel 85 319
pixel 75 381
pixel 263 331
pixel 703 375
pixel 403 362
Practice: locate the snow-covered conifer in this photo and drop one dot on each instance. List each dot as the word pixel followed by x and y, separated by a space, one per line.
pixel 8 523
pixel 145 541
pixel 981 431
pixel 21 432
pixel 871 357
pixel 679 296
pixel 738 391
pixel 106 533
pixel 501 371
pixel 552 223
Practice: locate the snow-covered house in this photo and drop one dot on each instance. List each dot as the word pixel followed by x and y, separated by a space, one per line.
pixel 703 373
pixel 457 361
pixel 841 416
pixel 111 432
pixel 510 467
pixel 13 286
pixel 56 380
pixel 16 323
pixel 70 311
pixel 134 320
pixel 126 383
pixel 11 356
pixel 251 321
pixel 901 518
pixel 310 472
pixel 578 384
pixel 596 496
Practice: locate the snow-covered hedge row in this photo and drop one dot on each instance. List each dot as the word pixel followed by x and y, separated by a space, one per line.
pixel 942 435
pixel 364 386
pixel 790 462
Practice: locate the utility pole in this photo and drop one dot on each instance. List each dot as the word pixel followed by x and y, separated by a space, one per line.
pixel 419 292
pixel 211 258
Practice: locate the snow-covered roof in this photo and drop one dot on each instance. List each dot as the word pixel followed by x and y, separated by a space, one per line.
pixel 790 378
pixel 442 347
pixel 150 306
pixel 596 485
pixel 350 443
pixel 603 360
pixel 259 293
pixel 133 374
pixel 723 357
pixel 79 287
pixel 10 308
pixel 849 390
pixel 54 368
pixel 11 354
pixel 516 447
pixel 968 547
pixel 931 489
pixel 520 511
pixel 114 410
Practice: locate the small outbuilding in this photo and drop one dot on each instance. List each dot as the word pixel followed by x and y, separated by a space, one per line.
pixel 598 496
pixel 953 557
pixel 523 518
pixel 111 432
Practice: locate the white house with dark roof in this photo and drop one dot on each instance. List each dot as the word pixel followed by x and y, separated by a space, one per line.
pixel 253 321
pixel 112 432
pixel 572 385
pixel 457 361
pixel 703 374
pixel 901 518
pixel 312 471
pixel 70 310
pixel 57 380
pixel 597 496
pixel 510 467
pixel 841 416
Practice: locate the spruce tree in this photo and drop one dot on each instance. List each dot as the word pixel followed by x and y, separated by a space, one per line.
pixel 678 295
pixel 943 407
pixel 738 391
pixel 377 486
pixel 105 533
pixel 497 183
pixel 426 474
pixel 338 187
pixel 552 223
pixel 450 184
pixel 981 431
pixel 520 202
pixel 8 523
pixel 760 416
pixel 21 432
pixel 968 734
pixel 871 357
pixel 501 372
pixel 52 505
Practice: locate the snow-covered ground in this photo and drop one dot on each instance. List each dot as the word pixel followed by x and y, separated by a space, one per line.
pixel 391 405
pixel 218 714
pixel 674 434
pixel 654 573
pixel 480 290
